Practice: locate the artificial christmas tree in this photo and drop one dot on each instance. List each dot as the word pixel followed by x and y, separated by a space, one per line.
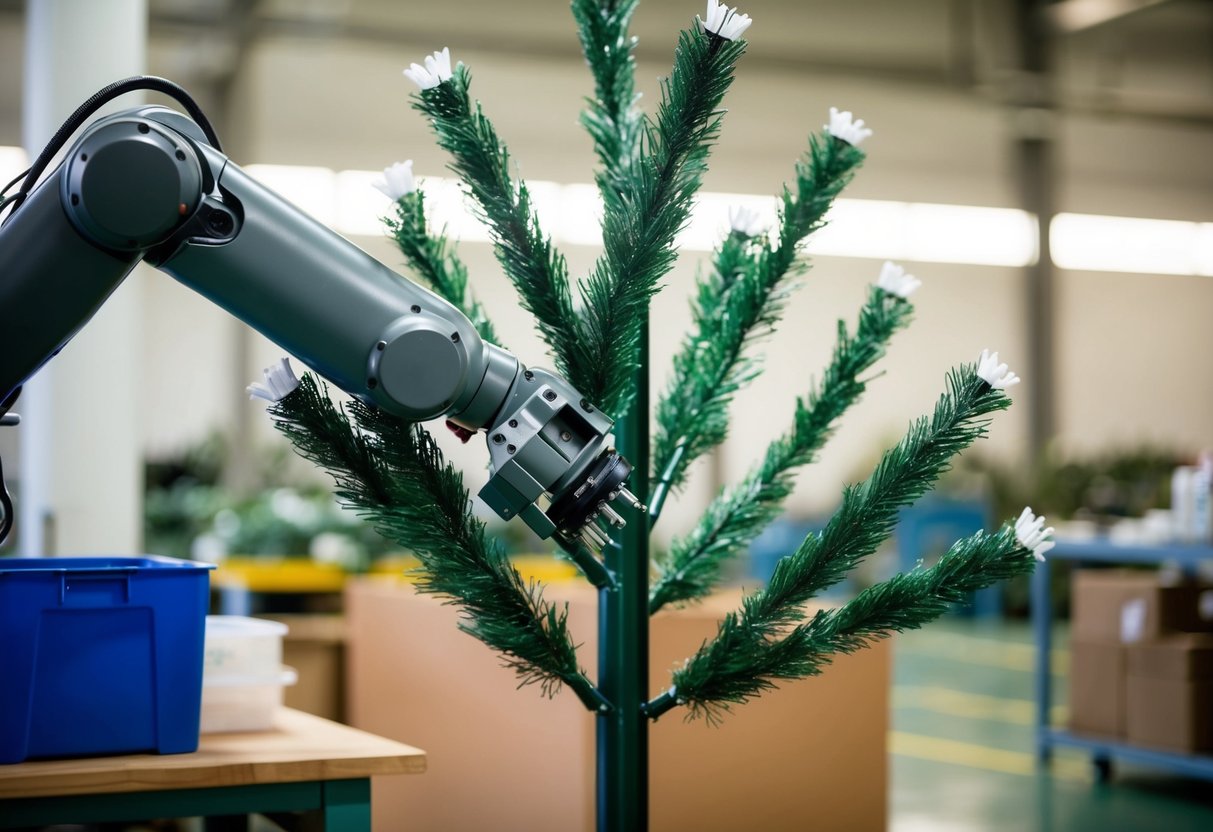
pixel 393 473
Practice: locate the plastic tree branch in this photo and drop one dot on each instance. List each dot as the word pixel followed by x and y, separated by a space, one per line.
pixel 738 659
pixel 741 300
pixel 904 602
pixel 739 514
pixel 610 117
pixel 532 263
pixel 591 567
pixel 392 473
pixel 431 256
pixel 647 199
pixel 646 204
pixel 692 413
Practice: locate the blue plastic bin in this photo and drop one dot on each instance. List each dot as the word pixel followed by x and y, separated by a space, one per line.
pixel 100 655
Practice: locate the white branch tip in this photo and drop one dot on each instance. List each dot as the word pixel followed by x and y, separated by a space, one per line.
pixel 745 221
pixel 726 22
pixel 398 181
pixel 1032 534
pixel 436 70
pixel 844 126
pixel 894 280
pixel 280 382
pixel 993 373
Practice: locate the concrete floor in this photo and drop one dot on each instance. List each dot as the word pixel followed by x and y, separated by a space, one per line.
pixel 961 745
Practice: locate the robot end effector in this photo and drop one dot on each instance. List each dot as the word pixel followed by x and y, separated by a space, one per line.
pixel 146 184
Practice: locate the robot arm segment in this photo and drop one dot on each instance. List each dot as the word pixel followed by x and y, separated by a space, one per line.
pixel 145 184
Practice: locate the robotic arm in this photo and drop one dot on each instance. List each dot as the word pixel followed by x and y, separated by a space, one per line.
pixel 145 184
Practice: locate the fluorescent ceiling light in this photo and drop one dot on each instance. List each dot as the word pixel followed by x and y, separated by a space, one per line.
pixel 1204 249
pixel 572 214
pixel 968 234
pixel 1076 15
pixel 865 228
pixel 927 233
pixel 360 207
pixel 1088 242
pixel 581 217
pixel 311 188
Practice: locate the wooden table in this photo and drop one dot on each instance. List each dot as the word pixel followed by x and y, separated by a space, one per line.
pixel 305 764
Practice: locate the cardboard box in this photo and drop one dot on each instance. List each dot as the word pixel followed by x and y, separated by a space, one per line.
pixel 315 646
pixel 1170 693
pixel 1113 605
pixel 1097 688
pixel 1185 657
pixel 810 755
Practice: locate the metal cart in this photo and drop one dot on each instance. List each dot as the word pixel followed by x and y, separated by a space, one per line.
pixel 1102 751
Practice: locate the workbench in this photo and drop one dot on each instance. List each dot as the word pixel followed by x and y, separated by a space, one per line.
pixel 305 764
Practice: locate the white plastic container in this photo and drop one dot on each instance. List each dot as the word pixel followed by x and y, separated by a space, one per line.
pixel 237 646
pixel 243 703
pixel 242 674
pixel 1183 503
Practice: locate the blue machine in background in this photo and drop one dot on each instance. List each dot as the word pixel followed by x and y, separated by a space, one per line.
pixel 924 532
pixel 928 529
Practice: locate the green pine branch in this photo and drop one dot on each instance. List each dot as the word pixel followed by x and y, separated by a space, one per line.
pixel 393 473
pixel 532 263
pixel 742 300
pixel 611 116
pixel 865 519
pixel 431 255
pixel 692 412
pixel 646 204
pixel 734 669
pixel 822 172
pixel 869 510
pixel 738 515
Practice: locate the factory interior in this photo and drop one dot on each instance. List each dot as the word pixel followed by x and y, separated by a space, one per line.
pixel 411 651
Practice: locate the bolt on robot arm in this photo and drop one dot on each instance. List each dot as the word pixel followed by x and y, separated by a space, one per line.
pixel 145 184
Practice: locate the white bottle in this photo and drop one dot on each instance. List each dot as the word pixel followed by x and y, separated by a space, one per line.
pixel 1183 506
pixel 1202 501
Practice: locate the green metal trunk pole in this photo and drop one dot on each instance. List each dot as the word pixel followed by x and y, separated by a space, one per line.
pixel 623 638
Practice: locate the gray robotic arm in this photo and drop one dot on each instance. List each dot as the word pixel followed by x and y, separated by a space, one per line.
pixel 145 184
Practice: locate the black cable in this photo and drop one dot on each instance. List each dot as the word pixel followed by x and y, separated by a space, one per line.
pixel 7 404
pixel 15 180
pixel 6 502
pixel 6 508
pixel 95 102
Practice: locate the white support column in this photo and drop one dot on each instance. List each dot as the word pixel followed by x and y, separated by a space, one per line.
pixel 81 469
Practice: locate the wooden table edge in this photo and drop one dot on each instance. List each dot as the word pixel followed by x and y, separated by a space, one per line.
pixel 140 773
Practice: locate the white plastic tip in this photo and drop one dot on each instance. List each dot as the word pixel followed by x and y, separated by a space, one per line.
pixel 745 221
pixel 725 22
pixel 280 381
pixel 397 181
pixel 993 373
pixel 894 280
pixel 436 70
pixel 1031 533
pixel 843 125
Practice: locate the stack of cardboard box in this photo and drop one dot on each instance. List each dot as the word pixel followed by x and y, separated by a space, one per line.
pixel 1142 660
pixel 1169 695
pixel 811 755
